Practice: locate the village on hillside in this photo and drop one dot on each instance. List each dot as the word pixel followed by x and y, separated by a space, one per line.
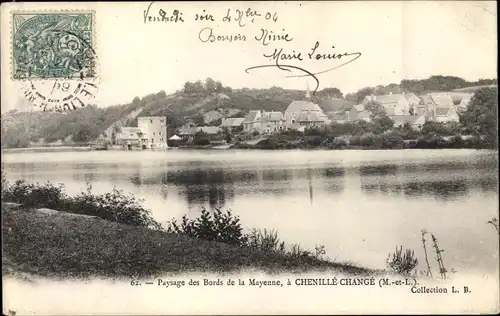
pixel 402 108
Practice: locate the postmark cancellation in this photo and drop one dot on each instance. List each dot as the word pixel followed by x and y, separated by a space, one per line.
pixel 52 45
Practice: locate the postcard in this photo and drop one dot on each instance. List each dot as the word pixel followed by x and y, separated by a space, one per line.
pixel 249 158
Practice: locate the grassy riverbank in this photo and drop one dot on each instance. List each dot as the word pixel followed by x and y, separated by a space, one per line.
pixel 63 245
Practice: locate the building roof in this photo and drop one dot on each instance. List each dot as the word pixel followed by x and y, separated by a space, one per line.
pixel 335 104
pixel 130 130
pixel 209 129
pixel 232 122
pixel 310 116
pixel 196 129
pixel 188 130
pixel 390 111
pixel 385 99
pixel 408 96
pixel 364 114
pixel 252 116
pixel 426 99
pixel 272 116
pixel 359 107
pixel 442 110
pixel 441 99
pixel 299 106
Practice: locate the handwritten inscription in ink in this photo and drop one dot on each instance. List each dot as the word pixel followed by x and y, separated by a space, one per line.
pixel 215 28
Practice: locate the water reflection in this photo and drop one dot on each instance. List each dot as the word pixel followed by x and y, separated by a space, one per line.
pixel 217 184
pixel 444 182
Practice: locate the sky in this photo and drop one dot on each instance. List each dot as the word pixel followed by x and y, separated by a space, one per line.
pixel 397 40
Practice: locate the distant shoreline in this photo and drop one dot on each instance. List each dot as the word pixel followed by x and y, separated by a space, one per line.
pixel 232 148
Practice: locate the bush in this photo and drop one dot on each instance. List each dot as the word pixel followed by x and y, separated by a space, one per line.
pixel 216 226
pixel 338 143
pixel 201 138
pixel 266 240
pixel 114 206
pixel 389 141
pixel 402 263
pixel 34 195
pixel 355 140
pixel 367 140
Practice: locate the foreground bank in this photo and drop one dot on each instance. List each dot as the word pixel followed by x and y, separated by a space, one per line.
pixel 57 244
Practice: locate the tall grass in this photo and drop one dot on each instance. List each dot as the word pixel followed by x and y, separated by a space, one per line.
pixel 225 227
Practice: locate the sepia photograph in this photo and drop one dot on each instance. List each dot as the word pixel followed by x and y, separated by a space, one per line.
pixel 319 157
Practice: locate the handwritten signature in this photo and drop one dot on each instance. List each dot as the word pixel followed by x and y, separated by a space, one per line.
pixel 279 55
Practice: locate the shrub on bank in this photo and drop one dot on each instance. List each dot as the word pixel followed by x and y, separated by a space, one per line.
pixel 114 206
pixel 34 195
pixel 216 226
pixel 226 227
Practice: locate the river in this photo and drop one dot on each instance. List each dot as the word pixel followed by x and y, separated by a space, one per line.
pixel 359 204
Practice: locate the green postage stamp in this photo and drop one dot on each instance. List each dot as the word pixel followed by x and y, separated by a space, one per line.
pixel 52 45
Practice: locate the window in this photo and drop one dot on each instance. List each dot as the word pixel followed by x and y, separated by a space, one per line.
pixel 160 133
pixel 151 120
pixel 153 133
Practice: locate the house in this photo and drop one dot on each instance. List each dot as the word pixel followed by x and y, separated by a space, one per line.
pixel 394 104
pixel 439 107
pixel 308 110
pixel 271 122
pixel 444 114
pixel 233 123
pixel 441 99
pixel 154 129
pixel 464 104
pixel 415 121
pixel 130 137
pixel 358 112
pixel 311 118
pixel 252 121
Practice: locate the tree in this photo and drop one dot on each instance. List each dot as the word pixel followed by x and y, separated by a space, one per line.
pixel 161 95
pixel 481 117
pixel 332 92
pixel 382 124
pixel 136 101
pixel 198 87
pixel 199 120
pixel 227 135
pixel 210 85
pixel 362 93
pixel 376 109
pixel 201 138
pixel 219 87
pixel 353 97
pixel 189 87
pixel 115 131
